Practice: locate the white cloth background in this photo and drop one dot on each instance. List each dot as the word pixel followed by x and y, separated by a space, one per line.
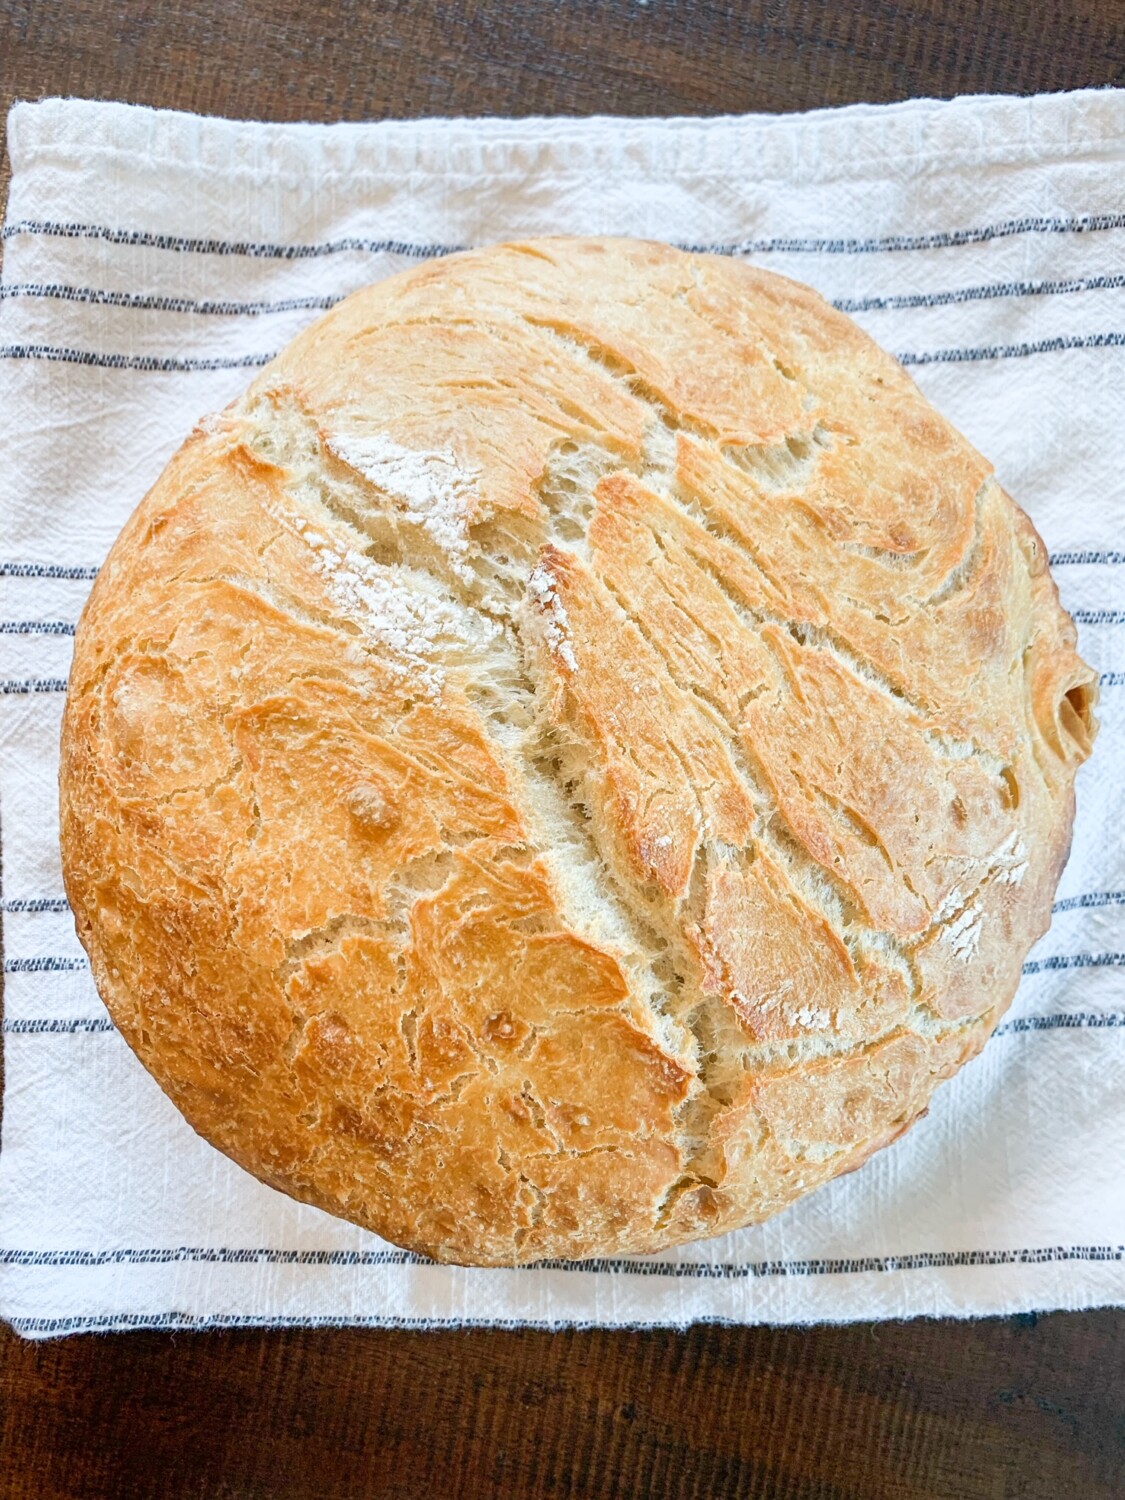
pixel 151 258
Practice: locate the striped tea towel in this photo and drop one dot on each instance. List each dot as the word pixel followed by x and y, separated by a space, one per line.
pixel 152 260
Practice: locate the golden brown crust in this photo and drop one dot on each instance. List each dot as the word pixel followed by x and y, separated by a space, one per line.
pixel 571 759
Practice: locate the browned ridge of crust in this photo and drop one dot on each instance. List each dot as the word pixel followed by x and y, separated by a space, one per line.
pixel 569 761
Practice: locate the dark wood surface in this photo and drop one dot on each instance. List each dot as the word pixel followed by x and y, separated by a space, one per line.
pixel 1003 1409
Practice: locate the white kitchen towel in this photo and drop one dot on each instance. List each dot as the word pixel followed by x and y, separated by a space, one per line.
pixel 151 260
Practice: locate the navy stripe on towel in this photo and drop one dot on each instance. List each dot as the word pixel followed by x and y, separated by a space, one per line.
pixel 1098 616
pixel 1074 961
pixel 46 570
pixel 1063 1021
pixel 228 307
pixel 154 363
pixel 147 362
pixel 255 249
pixel 35 903
pixel 1012 351
pixel 16 685
pixel 141 302
pixel 1087 899
pixel 937 240
pixel 36 627
pixel 46 964
pixel 919 1260
pixel 1087 556
pixel 1090 898
pixel 57 1026
pixel 773 244
pixel 986 293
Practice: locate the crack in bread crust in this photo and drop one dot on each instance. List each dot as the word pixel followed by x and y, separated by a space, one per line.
pixel 719 709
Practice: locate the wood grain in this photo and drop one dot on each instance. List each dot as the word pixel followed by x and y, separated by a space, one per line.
pixel 1013 1409
pixel 1018 1408
pixel 350 59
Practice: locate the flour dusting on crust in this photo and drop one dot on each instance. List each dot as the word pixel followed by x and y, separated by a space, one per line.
pixel 541 586
pixel 437 490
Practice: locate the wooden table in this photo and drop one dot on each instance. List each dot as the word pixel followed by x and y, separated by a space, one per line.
pixel 1008 1409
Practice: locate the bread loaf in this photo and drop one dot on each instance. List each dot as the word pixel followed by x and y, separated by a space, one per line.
pixel 571 759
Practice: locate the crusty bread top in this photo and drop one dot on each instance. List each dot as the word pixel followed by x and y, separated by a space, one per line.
pixel 570 759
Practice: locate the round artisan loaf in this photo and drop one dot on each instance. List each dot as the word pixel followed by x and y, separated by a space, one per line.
pixel 570 759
